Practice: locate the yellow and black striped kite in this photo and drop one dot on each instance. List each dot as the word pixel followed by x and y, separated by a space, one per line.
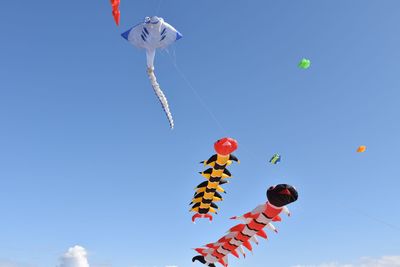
pixel 207 192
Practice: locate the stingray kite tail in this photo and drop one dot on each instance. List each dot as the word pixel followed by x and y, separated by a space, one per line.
pixel 160 95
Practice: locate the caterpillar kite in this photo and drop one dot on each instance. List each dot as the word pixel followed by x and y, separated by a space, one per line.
pixel 115 10
pixel 254 222
pixel 152 34
pixel 206 192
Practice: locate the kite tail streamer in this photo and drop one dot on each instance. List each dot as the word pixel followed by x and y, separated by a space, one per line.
pixel 240 236
pixel 115 10
pixel 160 95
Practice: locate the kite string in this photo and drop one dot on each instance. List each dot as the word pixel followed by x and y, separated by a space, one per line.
pixel 199 98
pixel 159 6
pixel 356 210
pixel 376 219
pixel 202 102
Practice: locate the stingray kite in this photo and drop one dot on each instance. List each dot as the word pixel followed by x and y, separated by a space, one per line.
pixel 206 192
pixel 252 226
pixel 115 10
pixel 152 34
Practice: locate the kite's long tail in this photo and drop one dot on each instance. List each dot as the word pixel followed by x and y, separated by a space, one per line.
pixel 160 95
pixel 115 10
pixel 239 236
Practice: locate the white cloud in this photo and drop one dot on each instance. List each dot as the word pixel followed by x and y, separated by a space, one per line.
pixel 385 261
pixel 75 257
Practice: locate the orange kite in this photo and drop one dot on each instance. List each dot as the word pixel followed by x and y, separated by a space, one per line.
pixel 115 10
pixel 361 149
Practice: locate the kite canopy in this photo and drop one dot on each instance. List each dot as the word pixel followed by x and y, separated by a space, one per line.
pixel 361 149
pixel 225 146
pixel 281 195
pixel 275 159
pixel 153 33
pixel 304 63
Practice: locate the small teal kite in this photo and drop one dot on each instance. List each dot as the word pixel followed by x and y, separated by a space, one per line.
pixel 275 159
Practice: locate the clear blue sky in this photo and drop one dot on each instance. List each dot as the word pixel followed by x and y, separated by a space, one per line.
pixel 87 157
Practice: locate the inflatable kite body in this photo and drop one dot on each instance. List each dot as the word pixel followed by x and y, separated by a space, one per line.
pixel 304 63
pixel 252 226
pixel 115 10
pixel 275 159
pixel 361 149
pixel 154 33
pixel 207 192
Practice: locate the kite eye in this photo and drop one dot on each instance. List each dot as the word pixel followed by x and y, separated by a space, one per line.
pixel 147 20
pixel 154 20
pixel 271 187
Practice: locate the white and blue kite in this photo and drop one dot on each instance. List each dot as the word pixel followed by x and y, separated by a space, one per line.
pixel 154 33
